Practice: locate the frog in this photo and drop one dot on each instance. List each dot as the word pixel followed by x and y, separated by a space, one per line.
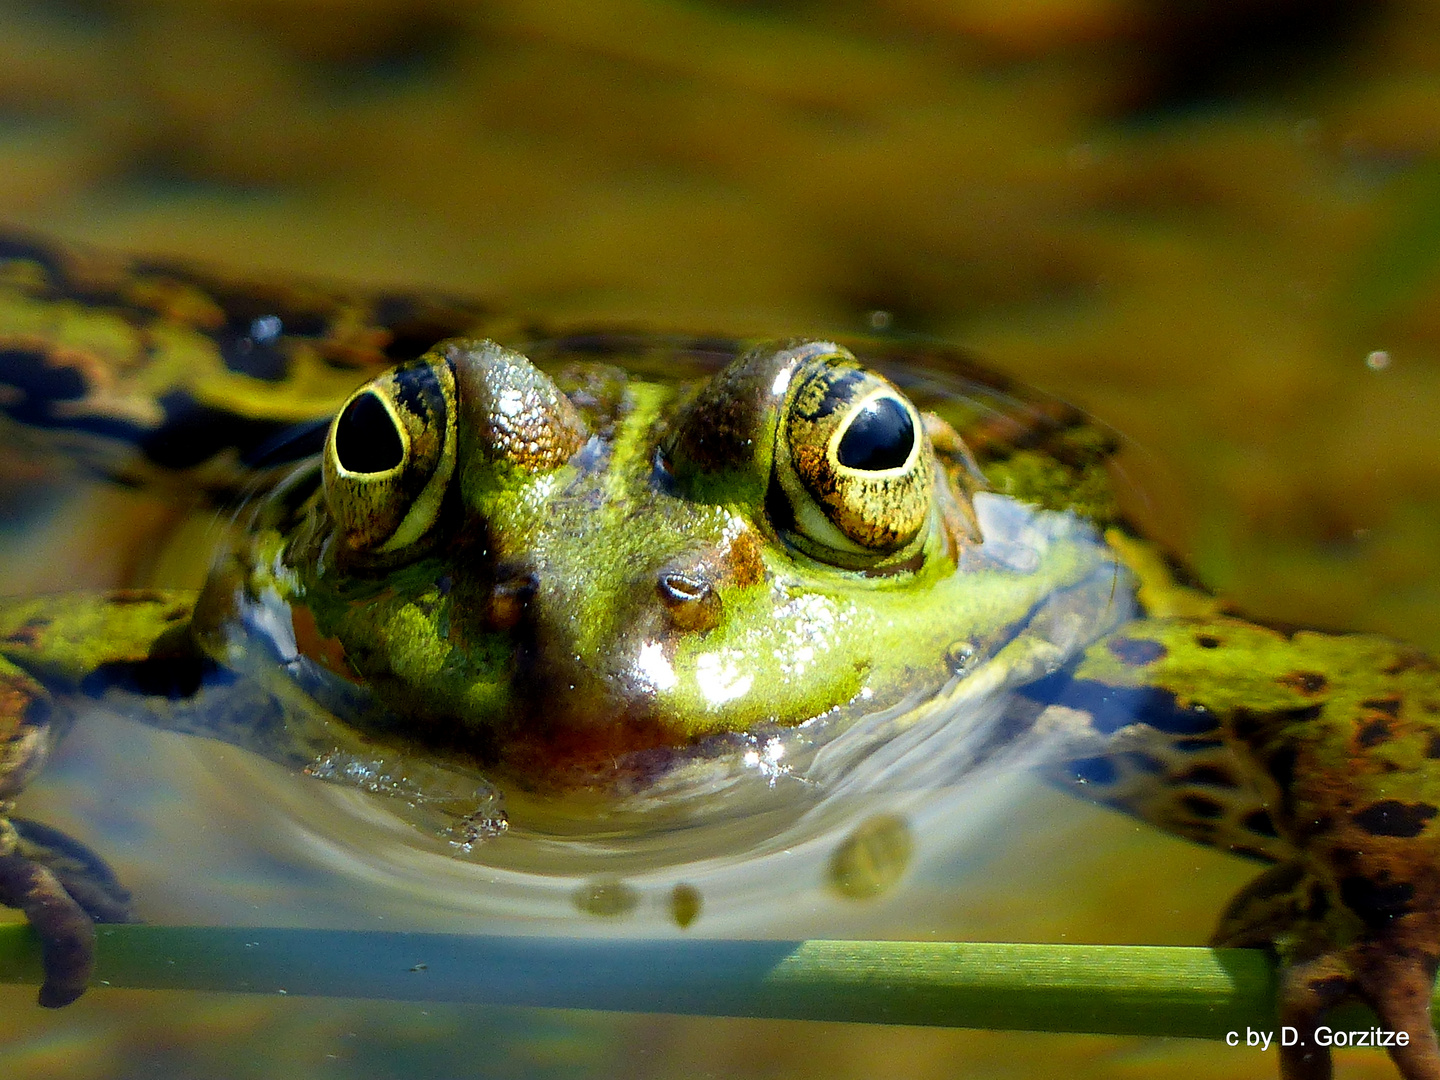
pixel 485 562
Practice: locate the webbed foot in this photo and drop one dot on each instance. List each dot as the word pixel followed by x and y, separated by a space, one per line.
pixel 1394 983
pixel 62 886
pixel 64 889
pixel 1329 955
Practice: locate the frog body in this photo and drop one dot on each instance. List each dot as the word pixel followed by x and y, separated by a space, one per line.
pixel 584 567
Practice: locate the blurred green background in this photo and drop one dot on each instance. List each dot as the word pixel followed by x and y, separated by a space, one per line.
pixel 1213 223
pixel 1197 219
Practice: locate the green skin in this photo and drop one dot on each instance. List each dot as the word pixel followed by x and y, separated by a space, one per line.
pixel 609 573
pixel 603 661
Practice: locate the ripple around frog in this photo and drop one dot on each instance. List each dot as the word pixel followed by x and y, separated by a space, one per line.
pixel 743 823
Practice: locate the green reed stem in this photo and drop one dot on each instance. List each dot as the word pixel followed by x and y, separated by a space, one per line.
pixel 1129 990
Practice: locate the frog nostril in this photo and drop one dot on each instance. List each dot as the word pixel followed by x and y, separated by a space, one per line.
pixel 683 589
pixel 691 602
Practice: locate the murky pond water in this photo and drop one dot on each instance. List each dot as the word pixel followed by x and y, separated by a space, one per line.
pixel 1225 257
pixel 960 842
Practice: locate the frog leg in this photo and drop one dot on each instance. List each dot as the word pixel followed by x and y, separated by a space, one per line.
pixel 1397 983
pixel 62 887
pixel 1287 909
pixel 1352 781
pixel 1382 970
pixel 66 932
pixel 1337 739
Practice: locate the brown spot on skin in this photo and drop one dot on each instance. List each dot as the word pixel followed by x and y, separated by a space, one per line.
pixel 1373 734
pixel 1136 652
pixel 1377 902
pixel 1202 806
pixel 1258 822
pixel 1245 724
pixel 1390 817
pixel 1408 661
pixel 1390 705
pixel 1432 749
pixel 1254 727
pixel 1330 986
pixel 1304 682
pixel 329 653
pixel 1207 641
pixel 28 634
pixel 742 563
pixel 1281 766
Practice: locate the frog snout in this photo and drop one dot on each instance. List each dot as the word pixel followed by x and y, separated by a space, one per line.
pixel 603 662
pixel 688 587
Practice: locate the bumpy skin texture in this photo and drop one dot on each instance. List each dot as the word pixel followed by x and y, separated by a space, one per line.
pixel 575 578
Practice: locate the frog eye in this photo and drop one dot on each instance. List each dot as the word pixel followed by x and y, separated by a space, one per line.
pixel 389 456
pixel 850 462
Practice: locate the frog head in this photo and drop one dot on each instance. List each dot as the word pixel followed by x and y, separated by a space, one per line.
pixel 585 573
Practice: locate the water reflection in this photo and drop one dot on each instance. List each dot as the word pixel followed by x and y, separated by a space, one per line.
pixel 914 819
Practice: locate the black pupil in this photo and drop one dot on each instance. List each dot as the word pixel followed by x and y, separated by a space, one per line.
pixel 365 437
pixel 880 437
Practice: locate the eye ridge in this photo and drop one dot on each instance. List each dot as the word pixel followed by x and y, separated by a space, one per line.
pixel 879 436
pixel 838 388
pixel 366 439
pixel 417 388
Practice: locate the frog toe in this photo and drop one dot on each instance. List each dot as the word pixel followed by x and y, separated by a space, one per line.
pixel 1308 991
pixel 1328 956
pixel 1397 982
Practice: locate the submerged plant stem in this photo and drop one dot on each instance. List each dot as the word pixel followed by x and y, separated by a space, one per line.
pixel 1127 990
